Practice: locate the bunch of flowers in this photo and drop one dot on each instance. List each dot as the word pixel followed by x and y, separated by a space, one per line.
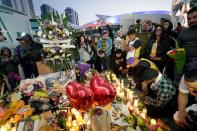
pixel 55 53
pixel 57 57
pixel 53 31
pixel 56 39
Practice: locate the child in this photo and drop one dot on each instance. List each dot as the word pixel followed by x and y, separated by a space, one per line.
pixel 120 62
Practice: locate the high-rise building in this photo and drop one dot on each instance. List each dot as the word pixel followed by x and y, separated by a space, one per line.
pixel 46 9
pixel 72 16
pixel 7 3
pixel 31 8
pixel 24 6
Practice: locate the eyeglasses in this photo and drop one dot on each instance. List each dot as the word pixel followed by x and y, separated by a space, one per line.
pixel 159 29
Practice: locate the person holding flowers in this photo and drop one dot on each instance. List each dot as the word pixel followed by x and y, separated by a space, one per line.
pixel 104 49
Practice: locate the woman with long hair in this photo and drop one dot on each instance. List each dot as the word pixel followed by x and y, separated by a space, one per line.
pixel 9 65
pixel 84 50
pixel 95 58
pixel 157 47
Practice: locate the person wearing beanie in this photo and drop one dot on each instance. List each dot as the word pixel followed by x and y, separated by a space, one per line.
pixel 160 93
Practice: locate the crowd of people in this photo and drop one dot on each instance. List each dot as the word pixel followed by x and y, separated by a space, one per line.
pixel 20 64
pixel 128 55
pixel 148 63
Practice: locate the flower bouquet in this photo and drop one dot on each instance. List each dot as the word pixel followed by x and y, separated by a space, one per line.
pixel 179 56
pixel 56 39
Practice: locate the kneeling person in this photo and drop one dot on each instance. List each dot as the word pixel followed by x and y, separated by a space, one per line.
pixel 161 93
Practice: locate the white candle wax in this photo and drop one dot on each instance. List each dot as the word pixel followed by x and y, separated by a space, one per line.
pixel 144 111
pixel 143 115
pixel 136 103
pixel 130 95
pixel 153 122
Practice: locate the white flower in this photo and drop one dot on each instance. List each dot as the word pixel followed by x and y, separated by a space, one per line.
pixel 68 55
pixel 58 30
pixel 54 23
pixel 61 51
pixel 44 36
pixel 50 37
pixel 57 57
pixel 53 51
pixel 63 55
pixel 50 32
pixel 64 35
pixel 39 33
pixel 65 30
pixel 67 33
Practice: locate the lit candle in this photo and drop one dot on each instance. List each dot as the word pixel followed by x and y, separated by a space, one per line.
pixel 143 115
pixel 131 108
pixel 136 103
pixel 122 84
pixel 130 96
pixel 153 122
pixel 144 111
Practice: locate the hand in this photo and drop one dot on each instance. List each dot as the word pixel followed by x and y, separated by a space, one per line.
pixel 182 115
pixel 130 66
pixel 120 68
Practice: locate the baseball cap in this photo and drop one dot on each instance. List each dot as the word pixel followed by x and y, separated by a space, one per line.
pixel 25 37
pixel 104 32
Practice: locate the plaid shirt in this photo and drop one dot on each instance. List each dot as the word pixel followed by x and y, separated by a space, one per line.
pixel 164 90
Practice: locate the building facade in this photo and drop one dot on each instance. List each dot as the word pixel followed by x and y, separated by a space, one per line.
pixel 14 19
pixel 46 9
pixel 31 8
pixel 23 6
pixel 72 16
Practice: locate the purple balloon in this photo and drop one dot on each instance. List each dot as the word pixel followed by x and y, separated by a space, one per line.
pixel 83 67
pixel 130 60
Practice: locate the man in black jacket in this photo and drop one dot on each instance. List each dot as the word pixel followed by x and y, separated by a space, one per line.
pixel 29 53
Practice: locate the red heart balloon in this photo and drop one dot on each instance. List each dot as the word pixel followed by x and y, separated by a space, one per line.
pixel 80 96
pixel 104 92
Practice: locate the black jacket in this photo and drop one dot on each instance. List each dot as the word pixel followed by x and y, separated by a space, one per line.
pixel 163 47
